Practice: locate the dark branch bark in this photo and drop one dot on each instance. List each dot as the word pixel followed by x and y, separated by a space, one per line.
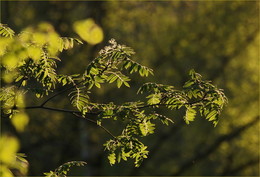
pixel 213 147
pixel 51 109
pixel 80 116
pixel 241 167
pixel 75 113
pixel 60 92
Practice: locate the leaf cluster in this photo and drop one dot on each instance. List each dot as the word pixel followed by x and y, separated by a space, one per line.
pixel 6 31
pixel 62 171
pixel 31 57
pixel 197 96
pixel 108 67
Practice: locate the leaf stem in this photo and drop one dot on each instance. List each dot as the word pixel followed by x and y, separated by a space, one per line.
pixel 80 116
pixel 58 93
pixel 75 113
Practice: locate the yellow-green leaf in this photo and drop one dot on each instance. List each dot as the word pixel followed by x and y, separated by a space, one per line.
pixel 112 158
pixel 89 31
pixel 8 148
pixel 20 120
pixel 190 115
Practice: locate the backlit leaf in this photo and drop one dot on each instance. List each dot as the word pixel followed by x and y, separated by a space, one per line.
pixel 20 120
pixel 89 31
pixel 190 115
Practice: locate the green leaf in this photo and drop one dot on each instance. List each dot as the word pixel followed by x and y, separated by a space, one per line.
pixel 154 99
pixel 8 148
pixel 188 84
pixel 119 83
pixel 6 31
pixel 112 158
pixel 212 115
pixel 97 85
pixel 111 78
pixel 68 43
pixel 146 128
pixel 94 71
pixel 63 170
pixel 20 121
pixel 126 84
pixel 79 99
pixel 190 115
pixel 89 31
pixel 78 41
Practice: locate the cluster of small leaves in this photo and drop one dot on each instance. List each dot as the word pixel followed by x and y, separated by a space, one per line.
pixel 62 171
pixel 137 123
pixel 6 31
pixel 204 97
pixel 197 95
pixel 11 160
pixel 107 67
pixel 68 43
pixel 10 98
pixel 32 55
pixel 7 97
pixel 124 147
pixel 28 64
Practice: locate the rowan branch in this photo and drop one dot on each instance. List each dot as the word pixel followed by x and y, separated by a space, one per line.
pixel 60 92
pixel 80 116
pixel 75 113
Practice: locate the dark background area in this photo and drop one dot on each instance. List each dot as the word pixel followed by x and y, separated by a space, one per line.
pixel 219 39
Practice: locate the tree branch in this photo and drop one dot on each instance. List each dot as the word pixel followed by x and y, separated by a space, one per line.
pixel 159 142
pixel 241 167
pixel 75 113
pixel 57 109
pixel 80 116
pixel 74 85
pixel 213 147
pixel 50 108
pixel 164 105
pixel 60 92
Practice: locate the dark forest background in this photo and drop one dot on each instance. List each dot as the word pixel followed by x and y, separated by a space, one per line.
pixel 219 39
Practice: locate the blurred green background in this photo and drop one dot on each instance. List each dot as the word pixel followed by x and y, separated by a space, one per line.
pixel 219 39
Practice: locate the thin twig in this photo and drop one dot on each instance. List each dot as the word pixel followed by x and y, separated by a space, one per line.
pixel 76 113
pixel 74 85
pixel 80 116
pixel 50 108
pixel 58 93
pixel 58 109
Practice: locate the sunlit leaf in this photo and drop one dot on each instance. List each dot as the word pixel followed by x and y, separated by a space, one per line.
pixel 8 148
pixel 39 38
pixel 112 158
pixel 5 171
pixel 4 43
pixel 10 61
pixel 146 127
pixel 20 121
pixel 154 99
pixel 6 31
pixel 34 52
pixel 190 115
pixel 89 31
